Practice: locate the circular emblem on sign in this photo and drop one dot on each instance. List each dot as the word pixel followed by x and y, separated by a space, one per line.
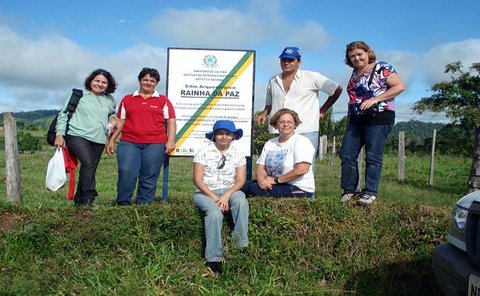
pixel 210 61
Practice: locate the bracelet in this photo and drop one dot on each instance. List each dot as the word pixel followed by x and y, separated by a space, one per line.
pixel 275 179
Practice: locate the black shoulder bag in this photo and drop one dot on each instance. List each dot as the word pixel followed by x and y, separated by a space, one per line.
pixel 72 105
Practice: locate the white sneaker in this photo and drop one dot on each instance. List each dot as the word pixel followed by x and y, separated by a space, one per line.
pixel 346 197
pixel 366 199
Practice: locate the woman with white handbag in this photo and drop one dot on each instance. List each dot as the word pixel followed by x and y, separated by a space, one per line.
pixel 87 131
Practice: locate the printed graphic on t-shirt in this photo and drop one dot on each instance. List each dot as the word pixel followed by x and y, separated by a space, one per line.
pixel 274 162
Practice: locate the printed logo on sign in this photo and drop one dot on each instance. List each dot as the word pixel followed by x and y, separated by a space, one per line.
pixel 210 61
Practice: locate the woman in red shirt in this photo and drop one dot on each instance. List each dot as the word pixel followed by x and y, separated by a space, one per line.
pixel 148 127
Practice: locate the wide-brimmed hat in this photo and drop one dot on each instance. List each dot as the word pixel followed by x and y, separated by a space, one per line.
pixel 225 125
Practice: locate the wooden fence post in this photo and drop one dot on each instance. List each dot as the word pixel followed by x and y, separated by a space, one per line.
pixel 325 144
pixel 401 156
pixel 334 151
pixel 432 159
pixel 320 148
pixel 12 163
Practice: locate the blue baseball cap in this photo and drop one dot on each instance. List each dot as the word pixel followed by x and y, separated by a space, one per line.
pixel 290 53
pixel 225 125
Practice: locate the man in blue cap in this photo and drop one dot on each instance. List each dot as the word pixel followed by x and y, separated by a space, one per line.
pixel 297 90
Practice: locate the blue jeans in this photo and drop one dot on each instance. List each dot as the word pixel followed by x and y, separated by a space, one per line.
pixel 142 163
pixel 88 154
pixel 356 136
pixel 373 137
pixel 278 190
pixel 313 137
pixel 213 221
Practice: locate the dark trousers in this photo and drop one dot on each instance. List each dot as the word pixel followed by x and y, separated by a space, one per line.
pixel 88 154
pixel 251 188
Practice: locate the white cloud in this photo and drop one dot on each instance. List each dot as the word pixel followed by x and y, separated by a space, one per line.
pixel 230 28
pixel 310 36
pixel 126 65
pixel 467 51
pixel 39 74
pixel 51 61
pixel 404 112
pixel 210 27
pixel 406 64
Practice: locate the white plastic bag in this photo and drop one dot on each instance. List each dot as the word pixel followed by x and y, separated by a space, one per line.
pixel 56 175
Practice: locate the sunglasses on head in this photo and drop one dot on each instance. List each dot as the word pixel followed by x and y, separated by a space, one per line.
pixel 221 162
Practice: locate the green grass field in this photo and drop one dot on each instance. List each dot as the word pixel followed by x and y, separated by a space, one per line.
pixel 297 246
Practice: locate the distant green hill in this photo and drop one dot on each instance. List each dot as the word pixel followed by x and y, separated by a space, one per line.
pixel 418 130
pixel 33 115
pixel 453 139
pixel 418 134
pixel 414 129
pixel 37 118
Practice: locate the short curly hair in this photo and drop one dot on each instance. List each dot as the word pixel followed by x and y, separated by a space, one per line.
pixel 361 45
pixel 149 71
pixel 280 112
pixel 112 85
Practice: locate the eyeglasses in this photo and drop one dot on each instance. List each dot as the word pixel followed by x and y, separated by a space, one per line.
pixel 221 162
pixel 285 122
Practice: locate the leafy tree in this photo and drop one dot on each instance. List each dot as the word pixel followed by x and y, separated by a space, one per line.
pixel 327 128
pixel 31 127
pixel 459 98
pixel 453 139
pixel 27 142
pixel 327 125
pixel 260 136
pixel 340 128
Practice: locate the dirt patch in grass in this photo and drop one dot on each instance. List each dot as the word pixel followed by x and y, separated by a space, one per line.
pixel 9 221
pixel 73 220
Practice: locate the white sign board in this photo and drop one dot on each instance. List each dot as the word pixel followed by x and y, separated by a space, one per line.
pixel 206 85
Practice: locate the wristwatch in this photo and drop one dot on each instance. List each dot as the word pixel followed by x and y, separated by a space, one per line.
pixel 275 179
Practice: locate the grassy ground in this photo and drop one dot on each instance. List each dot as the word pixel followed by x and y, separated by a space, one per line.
pixel 297 247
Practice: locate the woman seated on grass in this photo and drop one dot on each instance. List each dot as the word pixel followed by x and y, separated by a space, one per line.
pixel 219 172
pixel 284 166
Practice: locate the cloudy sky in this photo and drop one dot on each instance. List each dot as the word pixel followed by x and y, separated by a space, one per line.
pixel 48 47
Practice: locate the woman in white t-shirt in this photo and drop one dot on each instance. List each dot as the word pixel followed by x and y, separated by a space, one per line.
pixel 219 173
pixel 284 168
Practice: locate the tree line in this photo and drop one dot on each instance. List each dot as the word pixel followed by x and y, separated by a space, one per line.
pixel 452 139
